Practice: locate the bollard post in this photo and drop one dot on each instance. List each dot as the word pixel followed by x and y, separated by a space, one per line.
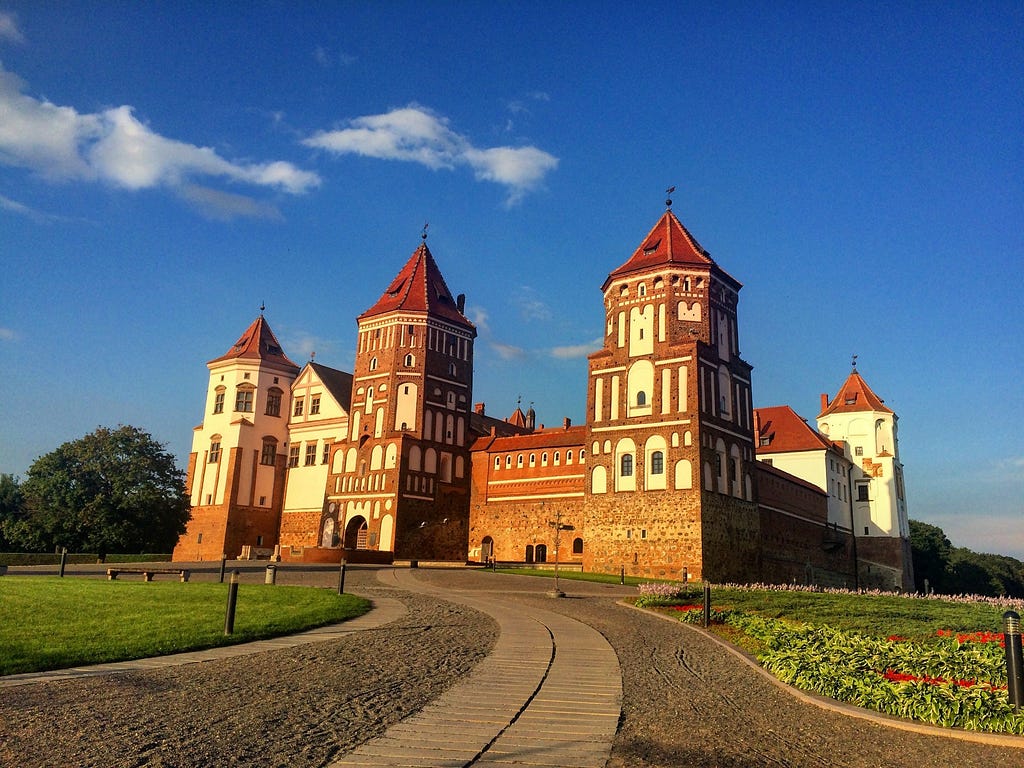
pixel 494 565
pixel 223 564
pixel 229 617
pixel 63 560
pixel 686 581
pixel 622 574
pixel 707 604
pixel 271 577
pixel 1014 662
pixel 341 577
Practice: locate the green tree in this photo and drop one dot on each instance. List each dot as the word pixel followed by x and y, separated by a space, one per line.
pixel 12 510
pixel 931 552
pixel 114 490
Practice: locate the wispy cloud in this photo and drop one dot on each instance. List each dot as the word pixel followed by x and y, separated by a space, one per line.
pixel 218 205
pixel 530 305
pixel 61 144
pixel 326 58
pixel 28 212
pixel 575 351
pixel 300 345
pixel 9 28
pixel 416 134
pixel 8 334
pixel 479 318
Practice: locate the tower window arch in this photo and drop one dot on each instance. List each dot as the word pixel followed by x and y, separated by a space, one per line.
pixel 657 463
pixel 626 465
pixel 410 361
pixel 373 363
pixel 641 398
pixel 218 399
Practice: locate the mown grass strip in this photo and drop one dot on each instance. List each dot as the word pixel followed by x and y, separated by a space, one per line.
pixel 52 623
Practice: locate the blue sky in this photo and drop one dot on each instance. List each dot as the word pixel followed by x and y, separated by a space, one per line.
pixel 166 167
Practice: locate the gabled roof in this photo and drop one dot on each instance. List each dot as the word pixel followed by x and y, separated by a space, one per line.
pixel 786 432
pixel 668 243
pixel 338 383
pixel 419 287
pixel 854 396
pixel 258 343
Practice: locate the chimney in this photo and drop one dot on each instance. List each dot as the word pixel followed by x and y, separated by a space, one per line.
pixel 478 408
pixel 460 302
pixel 824 401
pixel 757 423
pixel 566 423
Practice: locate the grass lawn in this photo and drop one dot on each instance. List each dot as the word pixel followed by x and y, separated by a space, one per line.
pixel 52 623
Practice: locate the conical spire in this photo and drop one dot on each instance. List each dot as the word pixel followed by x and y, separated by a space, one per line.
pixel 258 343
pixel 855 395
pixel 419 287
pixel 669 242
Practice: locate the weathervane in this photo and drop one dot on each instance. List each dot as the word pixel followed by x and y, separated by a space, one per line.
pixel 854 362
pixel 668 198
pixel 424 234
pixel 262 307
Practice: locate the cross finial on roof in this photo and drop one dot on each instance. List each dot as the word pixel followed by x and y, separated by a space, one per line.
pixel 519 400
pixel 424 234
pixel 668 198
pixel 262 307
pixel 855 362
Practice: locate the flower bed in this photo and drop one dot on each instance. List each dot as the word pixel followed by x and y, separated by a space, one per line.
pixel 956 679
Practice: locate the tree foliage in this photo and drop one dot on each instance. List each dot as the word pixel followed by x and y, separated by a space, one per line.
pixel 114 490
pixel 957 570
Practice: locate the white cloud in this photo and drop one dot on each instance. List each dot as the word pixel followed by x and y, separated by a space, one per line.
pixel 415 134
pixel 578 350
pixel 21 209
pixel 531 307
pixel 8 334
pixel 479 317
pixel 217 205
pixel 9 28
pixel 61 144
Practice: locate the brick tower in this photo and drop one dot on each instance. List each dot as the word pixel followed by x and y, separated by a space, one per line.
pixel 670 483
pixel 402 484
pixel 236 470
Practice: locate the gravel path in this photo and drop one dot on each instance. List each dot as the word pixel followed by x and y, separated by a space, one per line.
pixel 686 701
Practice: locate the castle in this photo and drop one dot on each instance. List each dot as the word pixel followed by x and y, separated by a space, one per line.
pixel 673 475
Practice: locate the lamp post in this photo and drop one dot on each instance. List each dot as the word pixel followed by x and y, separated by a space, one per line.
pixel 559 526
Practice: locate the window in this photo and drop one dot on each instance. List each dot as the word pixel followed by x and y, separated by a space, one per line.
pixel 643 533
pixel 577 546
pixel 243 400
pixel 263 501
pixel 765 441
pixel 199 539
pixel 310 454
pixel 214 452
pixel 274 402
pixel 519 461
pixel 218 401
pixel 508 461
pixel 862 492
pixel 293 456
pixel 533 459
pixel 657 463
pixel 327 454
pixel 269 453
pixel 451 368
pixel 409 361
pixel 259 539
pixel 626 465
pixel 314 405
pixel 858 451
pixel 583 454
pixel 299 406
pixel 373 363
pixel 641 398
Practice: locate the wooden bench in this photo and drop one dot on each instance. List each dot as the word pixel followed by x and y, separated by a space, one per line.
pixel 147 573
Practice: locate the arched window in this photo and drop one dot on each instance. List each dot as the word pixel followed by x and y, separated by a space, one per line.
pixel 373 363
pixel 508 461
pixel 627 465
pixel 529 553
pixel 577 546
pixel 214 449
pixel 243 398
pixel 409 360
pixel 641 398
pixel 497 462
pixel 274 401
pixel 218 399
pixel 541 553
pixel 657 463
pixel 519 461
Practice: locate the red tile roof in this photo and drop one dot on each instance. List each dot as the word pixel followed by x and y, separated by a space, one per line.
pixel 555 437
pixel 854 396
pixel 669 242
pixel 258 343
pixel 786 431
pixel 419 287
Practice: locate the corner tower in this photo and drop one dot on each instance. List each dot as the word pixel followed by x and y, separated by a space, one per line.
pixel 669 412
pixel 236 470
pixel 861 420
pixel 400 483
